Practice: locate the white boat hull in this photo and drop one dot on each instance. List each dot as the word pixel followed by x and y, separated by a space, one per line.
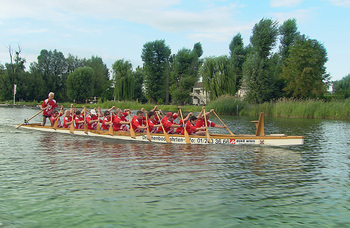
pixel 267 140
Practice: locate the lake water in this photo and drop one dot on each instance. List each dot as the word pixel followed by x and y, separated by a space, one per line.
pixel 58 180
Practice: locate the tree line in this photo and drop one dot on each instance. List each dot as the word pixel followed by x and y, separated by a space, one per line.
pixel 296 68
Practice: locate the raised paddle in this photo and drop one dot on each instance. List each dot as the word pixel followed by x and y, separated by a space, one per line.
pixel 132 131
pixel 110 130
pixel 98 123
pixel 27 120
pixel 187 137
pixel 85 124
pixel 223 123
pixel 167 139
pixel 148 132
pixel 72 128
pixel 206 125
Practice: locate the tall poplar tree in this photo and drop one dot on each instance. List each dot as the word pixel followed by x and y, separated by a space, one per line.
pixel 258 68
pixel 124 84
pixel 155 56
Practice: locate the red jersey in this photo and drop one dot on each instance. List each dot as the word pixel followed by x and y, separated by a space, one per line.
pixel 201 123
pixel 190 128
pixel 151 127
pixel 167 125
pixel 53 119
pixel 136 123
pixel 105 120
pixel 92 126
pixel 180 130
pixel 66 120
pixel 50 104
pixel 78 119
pixel 117 126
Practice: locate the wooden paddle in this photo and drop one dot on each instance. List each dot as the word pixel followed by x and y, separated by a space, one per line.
pixel 85 124
pixel 206 125
pixel 223 124
pixel 26 121
pixel 98 123
pixel 132 131
pixel 167 139
pixel 187 137
pixel 110 130
pixel 72 128
pixel 148 132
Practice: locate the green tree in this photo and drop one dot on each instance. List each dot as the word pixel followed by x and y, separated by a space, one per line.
pixel 53 67
pixel 304 70
pixel 139 76
pixel 123 80
pixel 185 65
pixel 80 84
pixel 342 86
pixel 218 76
pixel 289 33
pixel 258 68
pixel 155 56
pixel 238 56
pixel 101 74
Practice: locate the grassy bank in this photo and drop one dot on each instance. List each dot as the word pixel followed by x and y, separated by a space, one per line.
pixel 228 105
pixel 310 109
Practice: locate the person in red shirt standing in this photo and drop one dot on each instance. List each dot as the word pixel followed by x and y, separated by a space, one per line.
pixel 138 121
pixel 168 123
pixel 120 123
pixel 48 107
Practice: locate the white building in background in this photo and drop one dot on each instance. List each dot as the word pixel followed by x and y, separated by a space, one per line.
pixel 198 95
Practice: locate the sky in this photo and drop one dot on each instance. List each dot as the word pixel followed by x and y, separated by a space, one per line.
pixel 118 29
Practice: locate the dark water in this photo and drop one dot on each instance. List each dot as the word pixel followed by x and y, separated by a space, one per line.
pixel 51 180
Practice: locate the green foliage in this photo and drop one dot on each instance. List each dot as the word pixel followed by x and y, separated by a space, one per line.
pixel 228 105
pixel 304 70
pixel 264 37
pixel 342 87
pixel 184 75
pixel 101 74
pixel 155 56
pixel 258 67
pixel 289 33
pixel 139 76
pixel 238 56
pixel 218 76
pixel 124 83
pixel 80 84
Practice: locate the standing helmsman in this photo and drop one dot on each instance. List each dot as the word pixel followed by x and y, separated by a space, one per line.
pixel 48 106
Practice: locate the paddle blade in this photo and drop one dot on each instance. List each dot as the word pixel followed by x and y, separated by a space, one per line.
pixel 71 129
pixel 187 137
pixel 110 130
pixel 55 126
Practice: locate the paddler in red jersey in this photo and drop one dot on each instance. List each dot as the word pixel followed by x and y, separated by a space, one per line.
pixel 153 123
pixel 48 106
pixel 92 119
pixel 79 119
pixel 120 123
pixel 168 123
pixel 192 129
pixel 138 121
pixel 201 121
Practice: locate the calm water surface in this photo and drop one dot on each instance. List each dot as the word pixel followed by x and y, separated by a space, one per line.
pixel 52 180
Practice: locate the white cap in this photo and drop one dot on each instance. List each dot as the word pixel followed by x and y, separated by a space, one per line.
pixel 93 112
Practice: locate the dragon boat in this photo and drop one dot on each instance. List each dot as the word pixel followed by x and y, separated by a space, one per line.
pixel 260 138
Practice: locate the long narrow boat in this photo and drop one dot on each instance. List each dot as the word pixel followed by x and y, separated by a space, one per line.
pixel 258 139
